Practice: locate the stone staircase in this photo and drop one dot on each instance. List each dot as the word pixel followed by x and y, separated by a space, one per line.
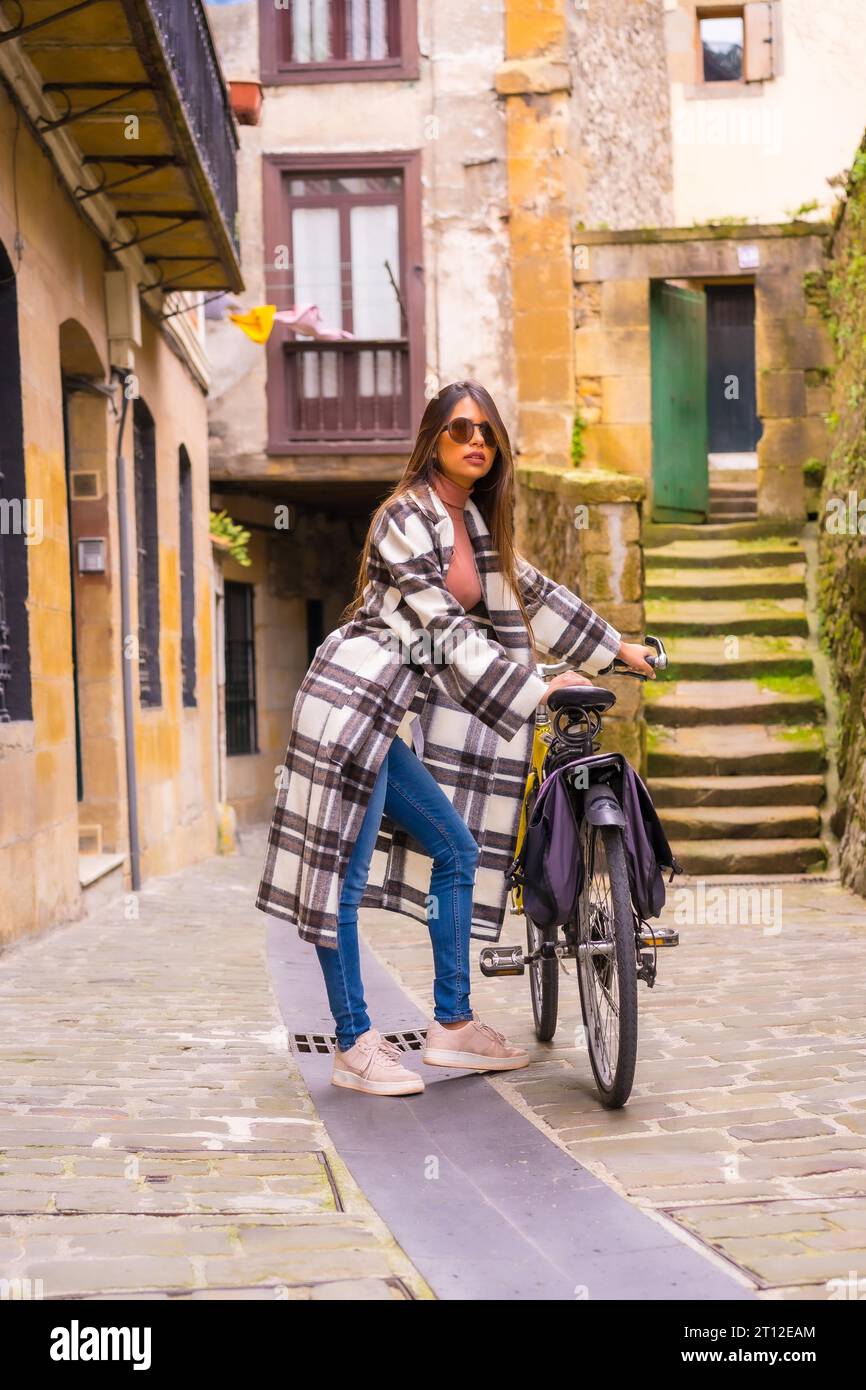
pixel 734 499
pixel 736 750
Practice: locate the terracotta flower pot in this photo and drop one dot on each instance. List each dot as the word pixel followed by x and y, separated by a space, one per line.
pixel 246 98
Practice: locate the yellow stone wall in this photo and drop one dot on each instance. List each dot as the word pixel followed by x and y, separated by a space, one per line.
pixel 535 83
pixel 174 745
pixel 60 282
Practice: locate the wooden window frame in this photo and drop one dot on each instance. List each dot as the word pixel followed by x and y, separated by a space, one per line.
pixel 276 167
pixel 277 73
pixel 741 86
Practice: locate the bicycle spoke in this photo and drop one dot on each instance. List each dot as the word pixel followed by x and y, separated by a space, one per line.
pixel 599 970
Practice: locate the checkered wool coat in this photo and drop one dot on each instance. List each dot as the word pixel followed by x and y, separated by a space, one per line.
pixel 475 694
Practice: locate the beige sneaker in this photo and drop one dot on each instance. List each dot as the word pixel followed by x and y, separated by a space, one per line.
pixel 373 1064
pixel 476 1046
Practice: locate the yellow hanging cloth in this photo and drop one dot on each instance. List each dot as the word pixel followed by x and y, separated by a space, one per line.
pixel 256 323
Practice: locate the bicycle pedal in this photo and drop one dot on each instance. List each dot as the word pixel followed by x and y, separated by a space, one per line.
pixel 502 960
pixel 659 936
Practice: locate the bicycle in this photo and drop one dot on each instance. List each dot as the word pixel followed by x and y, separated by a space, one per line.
pixel 604 935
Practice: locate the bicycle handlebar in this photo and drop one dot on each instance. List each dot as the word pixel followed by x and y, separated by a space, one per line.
pixel 616 667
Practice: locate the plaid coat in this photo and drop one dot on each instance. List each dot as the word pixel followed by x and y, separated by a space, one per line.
pixel 412 647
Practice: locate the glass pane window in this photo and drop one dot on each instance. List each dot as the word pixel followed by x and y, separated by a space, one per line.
pixel 325 184
pixel 346 255
pixel 375 247
pixel 338 31
pixel 367 29
pixel 311 31
pixel 316 261
pixel 722 45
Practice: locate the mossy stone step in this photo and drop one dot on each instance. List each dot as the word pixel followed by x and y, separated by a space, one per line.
pixel 662 533
pixel 778 700
pixel 733 585
pixel 717 658
pixel 746 750
pixel 750 856
pixel 722 554
pixel 740 488
pixel 728 508
pixel 785 617
pixel 807 789
pixel 690 823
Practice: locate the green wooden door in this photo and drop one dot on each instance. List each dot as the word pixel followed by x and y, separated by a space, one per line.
pixel 678 338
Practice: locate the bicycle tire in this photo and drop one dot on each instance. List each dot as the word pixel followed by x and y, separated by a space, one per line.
pixel 614 1084
pixel 543 984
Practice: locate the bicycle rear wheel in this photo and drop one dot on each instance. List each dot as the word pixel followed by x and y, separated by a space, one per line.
pixel 543 983
pixel 607 963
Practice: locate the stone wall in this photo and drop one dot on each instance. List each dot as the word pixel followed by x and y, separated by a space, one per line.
pixel 613 359
pixel 842 520
pixel 620 113
pixel 582 528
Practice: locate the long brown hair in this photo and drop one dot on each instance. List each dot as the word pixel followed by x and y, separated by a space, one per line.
pixel 493 495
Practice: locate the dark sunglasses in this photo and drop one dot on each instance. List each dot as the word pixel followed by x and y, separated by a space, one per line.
pixel 462 430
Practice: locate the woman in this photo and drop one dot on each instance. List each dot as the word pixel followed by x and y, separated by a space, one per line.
pixel 412 734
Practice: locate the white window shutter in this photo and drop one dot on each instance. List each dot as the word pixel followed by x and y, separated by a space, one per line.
pixel 758 61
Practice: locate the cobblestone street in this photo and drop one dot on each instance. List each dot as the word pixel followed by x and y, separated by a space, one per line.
pixel 157 1137
pixel 159 1140
pixel 747 1121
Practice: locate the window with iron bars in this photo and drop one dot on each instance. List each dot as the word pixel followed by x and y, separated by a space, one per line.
pixel 240 654
pixel 147 542
pixel 187 580
pixel 15 693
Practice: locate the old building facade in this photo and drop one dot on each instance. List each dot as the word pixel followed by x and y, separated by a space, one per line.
pixel 610 211
pixel 117 215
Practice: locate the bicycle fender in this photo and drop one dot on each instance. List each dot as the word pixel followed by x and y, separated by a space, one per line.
pixel 601 807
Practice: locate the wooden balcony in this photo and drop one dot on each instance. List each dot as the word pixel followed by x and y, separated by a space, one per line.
pixel 332 395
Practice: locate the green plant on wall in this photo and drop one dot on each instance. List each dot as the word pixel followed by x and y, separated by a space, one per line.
pixel 796 214
pixel 222 526
pixel 578 442
pixel 840 294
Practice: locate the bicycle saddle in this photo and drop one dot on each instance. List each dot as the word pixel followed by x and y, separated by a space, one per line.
pixel 575 697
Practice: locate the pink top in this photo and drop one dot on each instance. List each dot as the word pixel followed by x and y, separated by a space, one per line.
pixel 462 578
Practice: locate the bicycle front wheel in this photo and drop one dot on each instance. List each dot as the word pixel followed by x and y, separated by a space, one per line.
pixel 607 963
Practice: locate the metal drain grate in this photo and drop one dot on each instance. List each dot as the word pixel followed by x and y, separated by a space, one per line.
pixel 320 1044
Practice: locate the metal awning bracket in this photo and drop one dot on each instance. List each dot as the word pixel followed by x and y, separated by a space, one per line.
pixel 126 89
pixel 143 165
pixel 180 220
pixel 202 264
pixel 21 29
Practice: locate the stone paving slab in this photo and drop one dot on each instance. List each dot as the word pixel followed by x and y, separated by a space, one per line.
pixel 749 1101
pixel 156 1137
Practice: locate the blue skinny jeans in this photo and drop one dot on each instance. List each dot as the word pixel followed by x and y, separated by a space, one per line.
pixel 412 797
